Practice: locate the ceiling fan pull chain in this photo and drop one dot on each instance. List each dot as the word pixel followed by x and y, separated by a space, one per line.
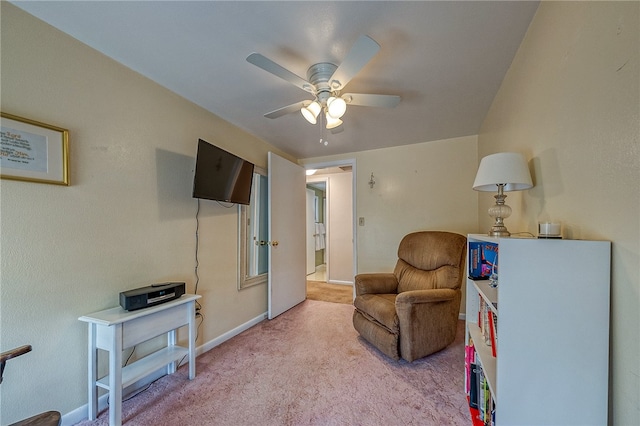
pixel 322 126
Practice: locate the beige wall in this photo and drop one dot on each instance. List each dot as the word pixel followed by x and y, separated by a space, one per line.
pixel 570 103
pixel 425 186
pixel 418 187
pixel 126 221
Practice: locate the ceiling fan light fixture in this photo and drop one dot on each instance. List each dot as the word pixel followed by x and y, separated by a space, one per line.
pixel 325 81
pixel 336 107
pixel 311 111
pixel 332 123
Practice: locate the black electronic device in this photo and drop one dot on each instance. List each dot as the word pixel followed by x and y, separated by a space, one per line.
pixel 152 295
pixel 221 176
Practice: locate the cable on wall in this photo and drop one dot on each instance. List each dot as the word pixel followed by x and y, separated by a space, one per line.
pixel 197 263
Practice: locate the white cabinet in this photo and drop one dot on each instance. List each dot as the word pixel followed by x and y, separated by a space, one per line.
pixel 114 330
pixel 552 351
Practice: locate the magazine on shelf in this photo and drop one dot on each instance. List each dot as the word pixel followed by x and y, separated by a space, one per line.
pixel 483 258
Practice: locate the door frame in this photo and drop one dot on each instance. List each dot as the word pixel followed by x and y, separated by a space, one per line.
pixel 354 221
pixel 327 230
pixel 311 261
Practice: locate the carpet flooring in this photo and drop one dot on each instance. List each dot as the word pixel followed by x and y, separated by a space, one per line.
pixel 308 366
pixel 325 292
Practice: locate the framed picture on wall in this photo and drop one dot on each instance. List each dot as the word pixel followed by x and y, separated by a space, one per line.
pixel 32 151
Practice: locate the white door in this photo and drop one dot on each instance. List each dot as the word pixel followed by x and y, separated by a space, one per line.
pixel 287 252
pixel 311 231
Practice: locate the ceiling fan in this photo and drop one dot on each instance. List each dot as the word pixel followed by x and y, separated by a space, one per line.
pixel 326 81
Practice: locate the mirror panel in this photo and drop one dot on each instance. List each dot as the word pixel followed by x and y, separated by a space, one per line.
pixel 253 223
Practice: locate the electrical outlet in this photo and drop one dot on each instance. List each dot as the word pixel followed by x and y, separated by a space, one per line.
pixel 361 221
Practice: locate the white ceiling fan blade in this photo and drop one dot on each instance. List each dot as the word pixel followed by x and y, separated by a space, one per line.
pixel 363 99
pixel 362 51
pixel 268 65
pixel 287 109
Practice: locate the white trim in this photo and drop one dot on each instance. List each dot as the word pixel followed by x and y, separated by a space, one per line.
pixel 340 282
pixel 337 163
pixel 325 209
pixel 82 413
pixel 229 334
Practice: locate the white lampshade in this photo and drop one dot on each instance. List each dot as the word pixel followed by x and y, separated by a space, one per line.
pixel 505 171
pixel 336 107
pixel 332 123
pixel 507 168
pixel 311 111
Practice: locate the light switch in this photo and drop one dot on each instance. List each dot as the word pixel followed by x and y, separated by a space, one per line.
pixel 361 221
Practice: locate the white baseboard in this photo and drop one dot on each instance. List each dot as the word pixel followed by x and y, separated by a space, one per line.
pixel 82 413
pixel 340 282
pixel 229 334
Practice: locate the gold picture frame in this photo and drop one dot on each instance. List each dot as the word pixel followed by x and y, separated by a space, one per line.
pixel 32 151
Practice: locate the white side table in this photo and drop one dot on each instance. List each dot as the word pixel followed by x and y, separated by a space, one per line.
pixel 115 329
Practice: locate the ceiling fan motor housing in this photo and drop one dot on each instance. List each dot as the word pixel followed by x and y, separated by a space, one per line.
pixel 319 75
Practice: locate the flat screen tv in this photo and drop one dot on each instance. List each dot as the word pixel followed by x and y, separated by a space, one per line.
pixel 221 176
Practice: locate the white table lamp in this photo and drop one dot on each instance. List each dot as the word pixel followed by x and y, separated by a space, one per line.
pixel 504 172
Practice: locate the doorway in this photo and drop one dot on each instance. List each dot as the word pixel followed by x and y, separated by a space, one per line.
pixel 317 228
pixel 331 236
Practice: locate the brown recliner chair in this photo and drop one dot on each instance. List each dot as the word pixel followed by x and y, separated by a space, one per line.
pixel 413 312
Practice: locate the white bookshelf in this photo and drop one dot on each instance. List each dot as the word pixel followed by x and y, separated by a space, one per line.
pixel 552 357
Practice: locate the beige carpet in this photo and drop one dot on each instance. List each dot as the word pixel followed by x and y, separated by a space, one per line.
pixel 325 292
pixel 305 367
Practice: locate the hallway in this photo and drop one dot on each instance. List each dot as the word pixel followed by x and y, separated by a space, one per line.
pixel 319 275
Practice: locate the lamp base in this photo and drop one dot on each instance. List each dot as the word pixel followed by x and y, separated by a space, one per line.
pixel 499 231
pixel 499 211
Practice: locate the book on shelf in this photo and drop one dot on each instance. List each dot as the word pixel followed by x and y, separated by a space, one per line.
pixel 474 388
pixel 493 320
pixel 481 381
pixel 486 402
pixel 487 322
pixel 469 358
pixel 479 394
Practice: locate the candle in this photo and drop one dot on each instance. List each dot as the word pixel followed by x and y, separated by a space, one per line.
pixel 549 228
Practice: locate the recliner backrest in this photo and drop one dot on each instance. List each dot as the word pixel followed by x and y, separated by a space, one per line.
pixel 430 260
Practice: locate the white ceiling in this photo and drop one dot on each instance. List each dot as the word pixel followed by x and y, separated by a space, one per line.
pixel 445 59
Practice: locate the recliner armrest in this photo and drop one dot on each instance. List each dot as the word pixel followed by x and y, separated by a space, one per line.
pixel 428 320
pixel 426 296
pixel 377 283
